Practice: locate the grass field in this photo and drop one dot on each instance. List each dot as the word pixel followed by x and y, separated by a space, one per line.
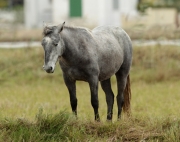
pixel 34 105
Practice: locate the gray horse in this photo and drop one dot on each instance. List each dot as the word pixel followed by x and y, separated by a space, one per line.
pixel 91 56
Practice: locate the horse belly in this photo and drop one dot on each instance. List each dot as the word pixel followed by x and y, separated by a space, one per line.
pixel 109 65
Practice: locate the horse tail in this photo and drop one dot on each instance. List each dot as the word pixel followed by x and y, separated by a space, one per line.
pixel 127 97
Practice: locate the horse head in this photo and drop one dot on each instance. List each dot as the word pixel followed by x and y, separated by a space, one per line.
pixel 53 46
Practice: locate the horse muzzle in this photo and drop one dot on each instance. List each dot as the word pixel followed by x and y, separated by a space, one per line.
pixel 48 69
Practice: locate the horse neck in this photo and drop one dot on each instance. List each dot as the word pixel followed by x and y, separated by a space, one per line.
pixel 72 38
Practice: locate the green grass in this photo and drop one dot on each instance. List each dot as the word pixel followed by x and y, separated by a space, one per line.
pixel 34 105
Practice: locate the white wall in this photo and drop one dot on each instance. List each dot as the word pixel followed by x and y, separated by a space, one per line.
pixel 100 12
pixel 90 10
pixel 94 12
pixel 129 7
pixel 60 11
pixel 107 14
pixel 30 13
pixel 37 11
pixel 44 11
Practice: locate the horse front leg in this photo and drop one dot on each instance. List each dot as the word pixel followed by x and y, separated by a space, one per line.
pixel 93 84
pixel 71 85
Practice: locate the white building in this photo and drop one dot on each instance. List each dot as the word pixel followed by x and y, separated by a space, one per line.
pixel 77 12
pixel 37 11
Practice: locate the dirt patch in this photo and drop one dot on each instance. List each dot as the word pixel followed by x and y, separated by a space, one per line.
pixel 20 35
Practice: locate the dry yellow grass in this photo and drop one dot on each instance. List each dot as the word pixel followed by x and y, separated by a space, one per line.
pixel 25 88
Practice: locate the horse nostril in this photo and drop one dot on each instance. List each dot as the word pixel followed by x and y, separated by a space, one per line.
pixel 50 68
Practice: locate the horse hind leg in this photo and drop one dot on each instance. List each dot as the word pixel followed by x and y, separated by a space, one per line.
pixel 106 86
pixel 93 83
pixel 122 77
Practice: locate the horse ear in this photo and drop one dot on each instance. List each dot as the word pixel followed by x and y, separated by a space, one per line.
pixel 60 27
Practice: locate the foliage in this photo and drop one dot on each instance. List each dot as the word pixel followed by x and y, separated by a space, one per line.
pixel 11 3
pixel 3 3
pixel 144 4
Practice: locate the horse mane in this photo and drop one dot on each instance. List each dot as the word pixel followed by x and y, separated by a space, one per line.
pixel 73 28
pixel 50 28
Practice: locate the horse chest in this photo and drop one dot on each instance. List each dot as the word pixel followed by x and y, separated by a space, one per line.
pixel 75 73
